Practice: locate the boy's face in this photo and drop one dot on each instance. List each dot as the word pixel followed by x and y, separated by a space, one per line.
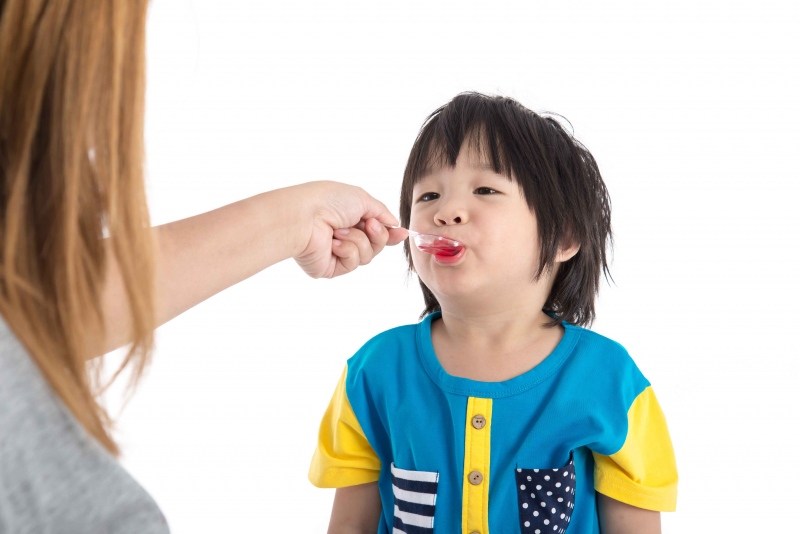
pixel 488 213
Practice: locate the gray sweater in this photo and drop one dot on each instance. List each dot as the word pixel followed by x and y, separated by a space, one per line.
pixel 54 477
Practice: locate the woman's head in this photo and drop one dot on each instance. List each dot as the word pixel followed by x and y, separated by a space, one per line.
pixel 71 155
pixel 534 162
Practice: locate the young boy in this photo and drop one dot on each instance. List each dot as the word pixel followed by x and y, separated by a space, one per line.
pixel 498 411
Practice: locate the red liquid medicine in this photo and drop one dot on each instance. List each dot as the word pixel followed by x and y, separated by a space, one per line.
pixel 441 249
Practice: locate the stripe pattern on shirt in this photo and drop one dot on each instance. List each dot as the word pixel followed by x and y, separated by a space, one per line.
pixel 414 500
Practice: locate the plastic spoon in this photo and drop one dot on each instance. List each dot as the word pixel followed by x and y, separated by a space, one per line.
pixel 434 244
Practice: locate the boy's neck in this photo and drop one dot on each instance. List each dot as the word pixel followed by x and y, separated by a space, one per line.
pixel 493 346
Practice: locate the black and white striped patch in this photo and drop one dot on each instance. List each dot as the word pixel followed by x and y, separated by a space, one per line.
pixel 414 500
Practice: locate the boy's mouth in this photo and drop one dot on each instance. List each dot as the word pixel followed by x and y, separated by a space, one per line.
pixel 450 255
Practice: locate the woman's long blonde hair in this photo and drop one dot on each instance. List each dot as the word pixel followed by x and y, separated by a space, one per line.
pixel 71 171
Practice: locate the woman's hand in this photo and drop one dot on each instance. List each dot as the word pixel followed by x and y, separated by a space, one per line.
pixel 345 228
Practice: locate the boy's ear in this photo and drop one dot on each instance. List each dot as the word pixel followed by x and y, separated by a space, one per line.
pixel 566 253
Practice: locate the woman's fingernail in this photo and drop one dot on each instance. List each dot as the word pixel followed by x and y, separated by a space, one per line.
pixel 376 226
pixel 336 242
pixel 343 231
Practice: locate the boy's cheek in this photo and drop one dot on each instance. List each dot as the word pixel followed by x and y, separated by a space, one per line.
pixel 416 259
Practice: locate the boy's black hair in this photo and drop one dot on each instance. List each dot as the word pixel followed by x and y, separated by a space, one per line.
pixel 557 175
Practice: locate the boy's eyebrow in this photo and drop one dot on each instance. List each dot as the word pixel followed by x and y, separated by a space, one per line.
pixel 486 166
pixel 483 166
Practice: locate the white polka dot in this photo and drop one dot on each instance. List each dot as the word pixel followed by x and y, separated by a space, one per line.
pixel 529 479
pixel 533 496
pixel 569 504
pixel 555 527
pixel 554 470
pixel 547 477
pixel 535 470
pixel 537 531
pixel 560 499
pixel 565 489
pixel 522 487
pixel 562 516
pixel 558 484
pixel 546 521
pixel 524 505
pixel 549 493
pixel 543 505
pixel 538 487
pixel 553 511
pixel 519 470
pixel 536 513
pixel 566 473
pixel 527 523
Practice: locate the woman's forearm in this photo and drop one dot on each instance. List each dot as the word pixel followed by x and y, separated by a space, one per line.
pixel 197 257
pixel 200 256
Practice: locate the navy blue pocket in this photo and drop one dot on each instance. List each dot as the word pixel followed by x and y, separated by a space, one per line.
pixel 546 498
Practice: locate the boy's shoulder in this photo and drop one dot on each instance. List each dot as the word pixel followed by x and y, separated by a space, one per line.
pixel 600 353
pixel 591 341
pixel 389 346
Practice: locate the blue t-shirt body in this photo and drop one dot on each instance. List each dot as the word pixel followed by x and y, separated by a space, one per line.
pixel 526 465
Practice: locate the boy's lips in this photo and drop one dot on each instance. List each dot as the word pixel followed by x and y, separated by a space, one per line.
pixel 450 259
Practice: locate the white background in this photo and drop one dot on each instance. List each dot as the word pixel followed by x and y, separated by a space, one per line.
pixel 691 109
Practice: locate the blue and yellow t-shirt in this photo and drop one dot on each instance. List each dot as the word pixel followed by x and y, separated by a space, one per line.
pixel 524 455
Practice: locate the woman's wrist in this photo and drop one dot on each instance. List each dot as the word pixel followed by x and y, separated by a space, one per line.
pixel 285 221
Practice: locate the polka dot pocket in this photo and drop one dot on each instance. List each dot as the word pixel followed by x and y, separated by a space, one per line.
pixel 546 498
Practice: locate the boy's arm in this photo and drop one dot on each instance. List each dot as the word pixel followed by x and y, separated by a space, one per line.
pixel 619 518
pixel 356 510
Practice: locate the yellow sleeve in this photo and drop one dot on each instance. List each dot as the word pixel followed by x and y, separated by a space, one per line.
pixel 643 472
pixel 343 457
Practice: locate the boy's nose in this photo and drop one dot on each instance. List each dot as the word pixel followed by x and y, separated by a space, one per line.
pixel 449 217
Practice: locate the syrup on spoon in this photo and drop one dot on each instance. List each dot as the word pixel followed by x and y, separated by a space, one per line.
pixel 434 244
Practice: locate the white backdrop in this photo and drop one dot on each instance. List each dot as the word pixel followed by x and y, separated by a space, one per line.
pixel 691 110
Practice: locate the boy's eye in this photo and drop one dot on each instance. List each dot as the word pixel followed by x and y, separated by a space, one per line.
pixel 485 191
pixel 428 196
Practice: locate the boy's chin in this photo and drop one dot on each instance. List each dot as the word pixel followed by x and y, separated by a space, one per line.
pixel 464 299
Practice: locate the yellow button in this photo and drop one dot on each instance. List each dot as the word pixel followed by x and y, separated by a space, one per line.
pixel 479 421
pixel 475 478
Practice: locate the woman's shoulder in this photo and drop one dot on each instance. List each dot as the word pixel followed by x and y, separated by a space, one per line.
pixel 21 382
pixel 55 475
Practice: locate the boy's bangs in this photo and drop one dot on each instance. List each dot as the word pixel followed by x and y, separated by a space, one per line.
pixel 445 136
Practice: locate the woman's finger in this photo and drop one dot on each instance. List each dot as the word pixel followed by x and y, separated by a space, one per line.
pixel 360 240
pixel 396 235
pixel 346 253
pixel 375 209
pixel 377 234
